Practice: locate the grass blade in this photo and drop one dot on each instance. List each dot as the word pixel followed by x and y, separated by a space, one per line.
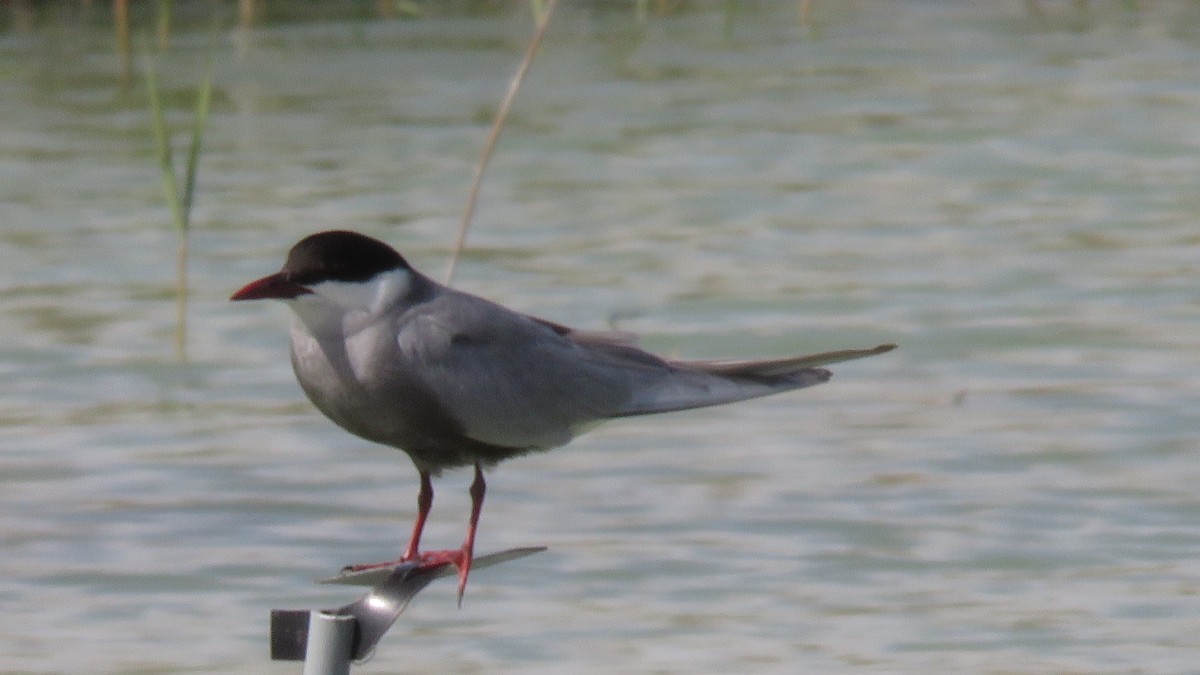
pixel 166 162
pixel 203 96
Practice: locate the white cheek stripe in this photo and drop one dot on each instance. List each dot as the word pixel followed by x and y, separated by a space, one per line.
pixel 392 286
pixel 372 296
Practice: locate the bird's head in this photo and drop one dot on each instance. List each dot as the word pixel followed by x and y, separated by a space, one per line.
pixel 339 271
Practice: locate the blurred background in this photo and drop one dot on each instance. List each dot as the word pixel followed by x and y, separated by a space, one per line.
pixel 1006 189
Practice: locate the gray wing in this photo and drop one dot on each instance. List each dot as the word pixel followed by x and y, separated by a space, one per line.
pixel 511 380
pixel 515 381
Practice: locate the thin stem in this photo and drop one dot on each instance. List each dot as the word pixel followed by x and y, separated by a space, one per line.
pixel 181 294
pixel 497 126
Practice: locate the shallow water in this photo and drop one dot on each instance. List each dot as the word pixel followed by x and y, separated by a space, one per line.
pixel 1006 192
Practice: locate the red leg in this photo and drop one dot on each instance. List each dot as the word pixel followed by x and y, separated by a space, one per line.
pixel 424 503
pixel 413 551
pixel 430 559
pixel 478 488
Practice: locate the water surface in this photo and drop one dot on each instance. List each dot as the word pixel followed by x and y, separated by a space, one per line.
pixel 1008 192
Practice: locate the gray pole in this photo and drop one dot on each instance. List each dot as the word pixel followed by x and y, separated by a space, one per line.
pixel 330 641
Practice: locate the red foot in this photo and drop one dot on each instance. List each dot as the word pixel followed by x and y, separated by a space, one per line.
pixel 430 560
pixel 434 559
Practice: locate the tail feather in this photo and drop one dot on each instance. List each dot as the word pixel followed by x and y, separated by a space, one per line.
pixel 697 384
pixel 768 368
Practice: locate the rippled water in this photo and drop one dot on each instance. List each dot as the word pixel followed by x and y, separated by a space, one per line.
pixel 1006 189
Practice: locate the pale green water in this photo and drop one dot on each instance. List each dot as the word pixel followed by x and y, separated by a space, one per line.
pixel 1010 196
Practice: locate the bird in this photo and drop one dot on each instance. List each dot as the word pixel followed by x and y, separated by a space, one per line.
pixel 456 380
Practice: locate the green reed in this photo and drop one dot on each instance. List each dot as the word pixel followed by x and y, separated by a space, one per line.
pixel 179 198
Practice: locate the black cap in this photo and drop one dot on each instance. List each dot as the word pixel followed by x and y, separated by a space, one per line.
pixel 340 255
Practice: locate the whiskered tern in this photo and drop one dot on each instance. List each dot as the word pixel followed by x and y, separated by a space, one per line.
pixel 455 380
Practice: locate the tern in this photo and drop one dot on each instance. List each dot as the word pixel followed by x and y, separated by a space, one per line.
pixel 456 380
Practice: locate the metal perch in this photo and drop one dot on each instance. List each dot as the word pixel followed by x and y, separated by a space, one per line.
pixel 329 640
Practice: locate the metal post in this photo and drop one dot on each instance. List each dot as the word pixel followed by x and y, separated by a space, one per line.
pixel 330 643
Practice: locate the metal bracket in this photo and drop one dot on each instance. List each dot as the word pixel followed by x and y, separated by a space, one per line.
pixel 369 617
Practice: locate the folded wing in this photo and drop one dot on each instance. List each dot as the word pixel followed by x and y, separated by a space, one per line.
pixel 515 381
